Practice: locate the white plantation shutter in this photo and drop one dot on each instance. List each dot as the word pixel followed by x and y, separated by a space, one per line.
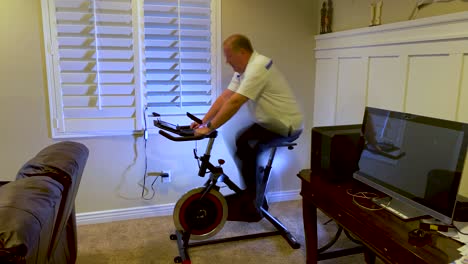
pixel 95 73
pixel 178 55
pixel 107 60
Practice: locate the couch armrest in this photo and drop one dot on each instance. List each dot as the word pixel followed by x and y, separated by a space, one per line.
pixel 64 162
pixel 28 209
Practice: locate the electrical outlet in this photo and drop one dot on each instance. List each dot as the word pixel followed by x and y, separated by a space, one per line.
pixel 166 176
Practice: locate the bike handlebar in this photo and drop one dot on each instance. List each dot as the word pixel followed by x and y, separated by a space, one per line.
pixel 185 132
pixel 194 118
pixel 183 138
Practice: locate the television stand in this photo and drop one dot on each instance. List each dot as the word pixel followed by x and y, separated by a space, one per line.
pixel 399 208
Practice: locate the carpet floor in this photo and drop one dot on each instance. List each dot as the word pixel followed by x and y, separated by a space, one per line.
pixel 146 241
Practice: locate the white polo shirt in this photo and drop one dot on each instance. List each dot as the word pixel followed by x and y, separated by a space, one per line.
pixel 272 102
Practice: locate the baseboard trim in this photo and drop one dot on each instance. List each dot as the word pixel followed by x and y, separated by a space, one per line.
pixel 274 197
pixel 159 210
pixel 124 214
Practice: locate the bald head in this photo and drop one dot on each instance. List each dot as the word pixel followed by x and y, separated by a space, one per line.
pixel 237 50
pixel 238 42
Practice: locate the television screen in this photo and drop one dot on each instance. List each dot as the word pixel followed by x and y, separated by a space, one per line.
pixel 415 159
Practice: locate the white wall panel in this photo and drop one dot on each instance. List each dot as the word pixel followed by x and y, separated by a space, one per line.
pixel 325 92
pixel 463 101
pixel 351 99
pixel 433 86
pixel 386 84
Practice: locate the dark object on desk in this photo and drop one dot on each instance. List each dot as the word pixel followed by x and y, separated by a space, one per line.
pixel 461 212
pixel 419 237
pixel 433 224
pixel 336 151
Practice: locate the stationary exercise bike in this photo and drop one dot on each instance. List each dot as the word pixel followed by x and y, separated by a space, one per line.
pixel 202 212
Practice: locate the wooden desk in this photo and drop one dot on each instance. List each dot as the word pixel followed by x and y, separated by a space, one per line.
pixel 382 233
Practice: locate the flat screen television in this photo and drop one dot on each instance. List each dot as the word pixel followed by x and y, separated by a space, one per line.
pixel 416 160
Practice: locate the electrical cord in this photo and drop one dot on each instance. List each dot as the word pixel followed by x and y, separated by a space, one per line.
pixel 152 188
pixel 332 241
pixel 145 139
pixel 195 153
pixel 336 237
pixel 366 195
pixel 459 231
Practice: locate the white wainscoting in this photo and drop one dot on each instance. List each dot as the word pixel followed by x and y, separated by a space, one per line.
pixel 418 66
pixel 160 210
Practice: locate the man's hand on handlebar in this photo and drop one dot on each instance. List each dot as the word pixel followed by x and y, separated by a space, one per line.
pixel 202 130
pixel 195 125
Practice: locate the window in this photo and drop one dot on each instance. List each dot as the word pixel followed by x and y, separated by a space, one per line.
pixel 111 62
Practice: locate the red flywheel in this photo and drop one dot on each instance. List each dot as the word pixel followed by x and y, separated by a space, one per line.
pixel 203 216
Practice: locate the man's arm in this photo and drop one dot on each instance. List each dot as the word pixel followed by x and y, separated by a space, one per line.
pixel 214 109
pixel 227 110
pixel 218 104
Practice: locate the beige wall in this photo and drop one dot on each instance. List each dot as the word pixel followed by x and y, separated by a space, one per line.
pixel 23 104
pixel 350 14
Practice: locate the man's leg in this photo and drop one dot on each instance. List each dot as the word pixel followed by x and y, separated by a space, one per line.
pixel 248 150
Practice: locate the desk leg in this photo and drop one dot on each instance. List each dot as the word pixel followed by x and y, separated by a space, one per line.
pixel 309 212
pixel 369 256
